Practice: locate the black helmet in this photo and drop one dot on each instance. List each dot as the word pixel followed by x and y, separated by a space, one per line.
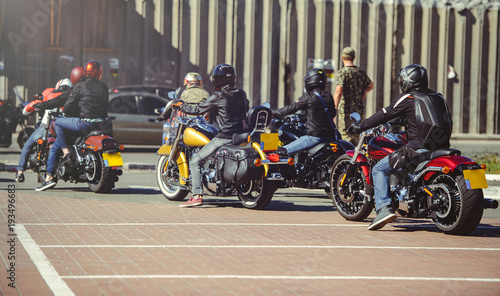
pixel 223 75
pixel 412 76
pixel 315 78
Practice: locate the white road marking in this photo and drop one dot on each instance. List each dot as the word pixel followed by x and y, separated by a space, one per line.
pixel 271 247
pixel 47 271
pixel 277 277
pixel 143 187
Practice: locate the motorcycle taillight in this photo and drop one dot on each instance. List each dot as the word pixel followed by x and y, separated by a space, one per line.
pixel 109 144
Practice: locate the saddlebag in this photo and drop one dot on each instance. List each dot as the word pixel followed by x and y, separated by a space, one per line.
pixel 235 164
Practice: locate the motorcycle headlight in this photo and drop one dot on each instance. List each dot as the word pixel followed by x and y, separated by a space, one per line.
pixel 167 126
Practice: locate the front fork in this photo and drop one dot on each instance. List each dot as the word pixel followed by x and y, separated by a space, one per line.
pixel 353 163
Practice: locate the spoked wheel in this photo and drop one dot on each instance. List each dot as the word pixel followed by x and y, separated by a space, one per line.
pixel 348 198
pixel 168 180
pixel 256 194
pixel 101 179
pixel 461 209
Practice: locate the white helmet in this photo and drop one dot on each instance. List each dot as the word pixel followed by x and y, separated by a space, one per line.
pixel 63 84
pixel 193 79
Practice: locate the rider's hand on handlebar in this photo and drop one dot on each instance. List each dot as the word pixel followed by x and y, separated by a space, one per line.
pixel 354 128
pixel 177 104
pixel 38 107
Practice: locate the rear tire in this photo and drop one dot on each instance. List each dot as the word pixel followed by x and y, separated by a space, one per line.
pixel 171 192
pixel 348 200
pixel 256 194
pixel 463 208
pixel 101 179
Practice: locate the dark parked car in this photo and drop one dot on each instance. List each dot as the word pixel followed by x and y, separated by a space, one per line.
pixel 159 90
pixel 133 115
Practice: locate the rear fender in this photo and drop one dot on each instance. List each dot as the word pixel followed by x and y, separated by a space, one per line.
pixel 363 164
pixel 96 141
pixel 453 162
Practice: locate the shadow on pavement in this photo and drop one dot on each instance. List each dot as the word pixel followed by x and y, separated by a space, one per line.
pixel 483 230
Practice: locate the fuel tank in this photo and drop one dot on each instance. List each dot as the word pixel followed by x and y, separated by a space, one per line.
pixel 382 146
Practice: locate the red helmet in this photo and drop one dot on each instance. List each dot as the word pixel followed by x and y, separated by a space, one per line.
pixel 93 69
pixel 77 74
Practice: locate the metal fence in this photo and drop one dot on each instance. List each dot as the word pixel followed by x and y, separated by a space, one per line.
pixel 270 43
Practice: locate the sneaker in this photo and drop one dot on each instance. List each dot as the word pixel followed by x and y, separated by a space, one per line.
pixel 19 177
pixel 384 215
pixel 46 185
pixel 192 202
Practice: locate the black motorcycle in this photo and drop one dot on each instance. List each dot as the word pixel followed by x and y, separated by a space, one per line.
pixel 10 117
pixel 312 167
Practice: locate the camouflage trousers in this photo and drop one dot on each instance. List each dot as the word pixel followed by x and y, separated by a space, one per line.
pixel 344 121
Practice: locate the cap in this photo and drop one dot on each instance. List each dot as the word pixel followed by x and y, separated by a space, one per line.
pixel 348 53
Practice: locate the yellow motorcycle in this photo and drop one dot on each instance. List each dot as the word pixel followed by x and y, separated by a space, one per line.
pixel 248 167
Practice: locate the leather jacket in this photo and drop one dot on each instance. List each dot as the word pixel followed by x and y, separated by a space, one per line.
pixel 318 121
pixel 426 118
pixel 227 107
pixel 89 99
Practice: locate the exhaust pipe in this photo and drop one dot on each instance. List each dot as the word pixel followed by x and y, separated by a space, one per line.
pixel 490 203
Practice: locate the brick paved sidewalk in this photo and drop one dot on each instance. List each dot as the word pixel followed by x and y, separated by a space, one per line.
pixel 68 246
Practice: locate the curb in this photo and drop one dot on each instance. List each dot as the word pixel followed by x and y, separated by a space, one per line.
pixel 141 167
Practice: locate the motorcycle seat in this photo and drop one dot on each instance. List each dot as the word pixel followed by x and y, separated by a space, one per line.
pixel 96 133
pixel 435 154
pixel 444 152
pixel 239 139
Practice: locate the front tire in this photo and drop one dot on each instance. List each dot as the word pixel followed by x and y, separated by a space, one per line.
pixel 167 180
pixel 256 194
pixel 24 135
pixel 347 198
pixel 101 179
pixel 462 208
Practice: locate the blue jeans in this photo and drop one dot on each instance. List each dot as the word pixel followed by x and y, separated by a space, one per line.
pixel 305 142
pixel 197 162
pixel 381 173
pixel 30 143
pixel 69 123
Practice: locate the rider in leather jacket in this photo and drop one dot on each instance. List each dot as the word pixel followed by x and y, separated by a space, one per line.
pixel 230 106
pixel 86 109
pixel 319 124
pixel 428 127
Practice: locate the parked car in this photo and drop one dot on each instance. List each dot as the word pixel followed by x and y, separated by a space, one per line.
pixel 133 115
pixel 159 90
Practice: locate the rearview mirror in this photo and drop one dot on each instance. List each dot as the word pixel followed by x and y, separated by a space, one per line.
pixel 171 94
pixel 355 116
pixel 267 105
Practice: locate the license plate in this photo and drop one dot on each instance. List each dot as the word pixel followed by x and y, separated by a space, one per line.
pixel 475 179
pixel 269 142
pixel 112 159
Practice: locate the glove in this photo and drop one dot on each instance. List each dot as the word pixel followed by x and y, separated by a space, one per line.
pixel 38 107
pixel 177 105
pixel 160 119
pixel 38 97
pixel 354 128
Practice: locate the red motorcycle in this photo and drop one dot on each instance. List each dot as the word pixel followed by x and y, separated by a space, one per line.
pixel 446 186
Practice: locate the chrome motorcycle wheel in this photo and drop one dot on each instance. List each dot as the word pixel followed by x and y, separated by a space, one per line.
pixel 256 194
pixel 350 198
pixel 168 180
pixel 461 209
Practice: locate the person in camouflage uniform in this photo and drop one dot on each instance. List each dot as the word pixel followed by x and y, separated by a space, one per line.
pixel 352 85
